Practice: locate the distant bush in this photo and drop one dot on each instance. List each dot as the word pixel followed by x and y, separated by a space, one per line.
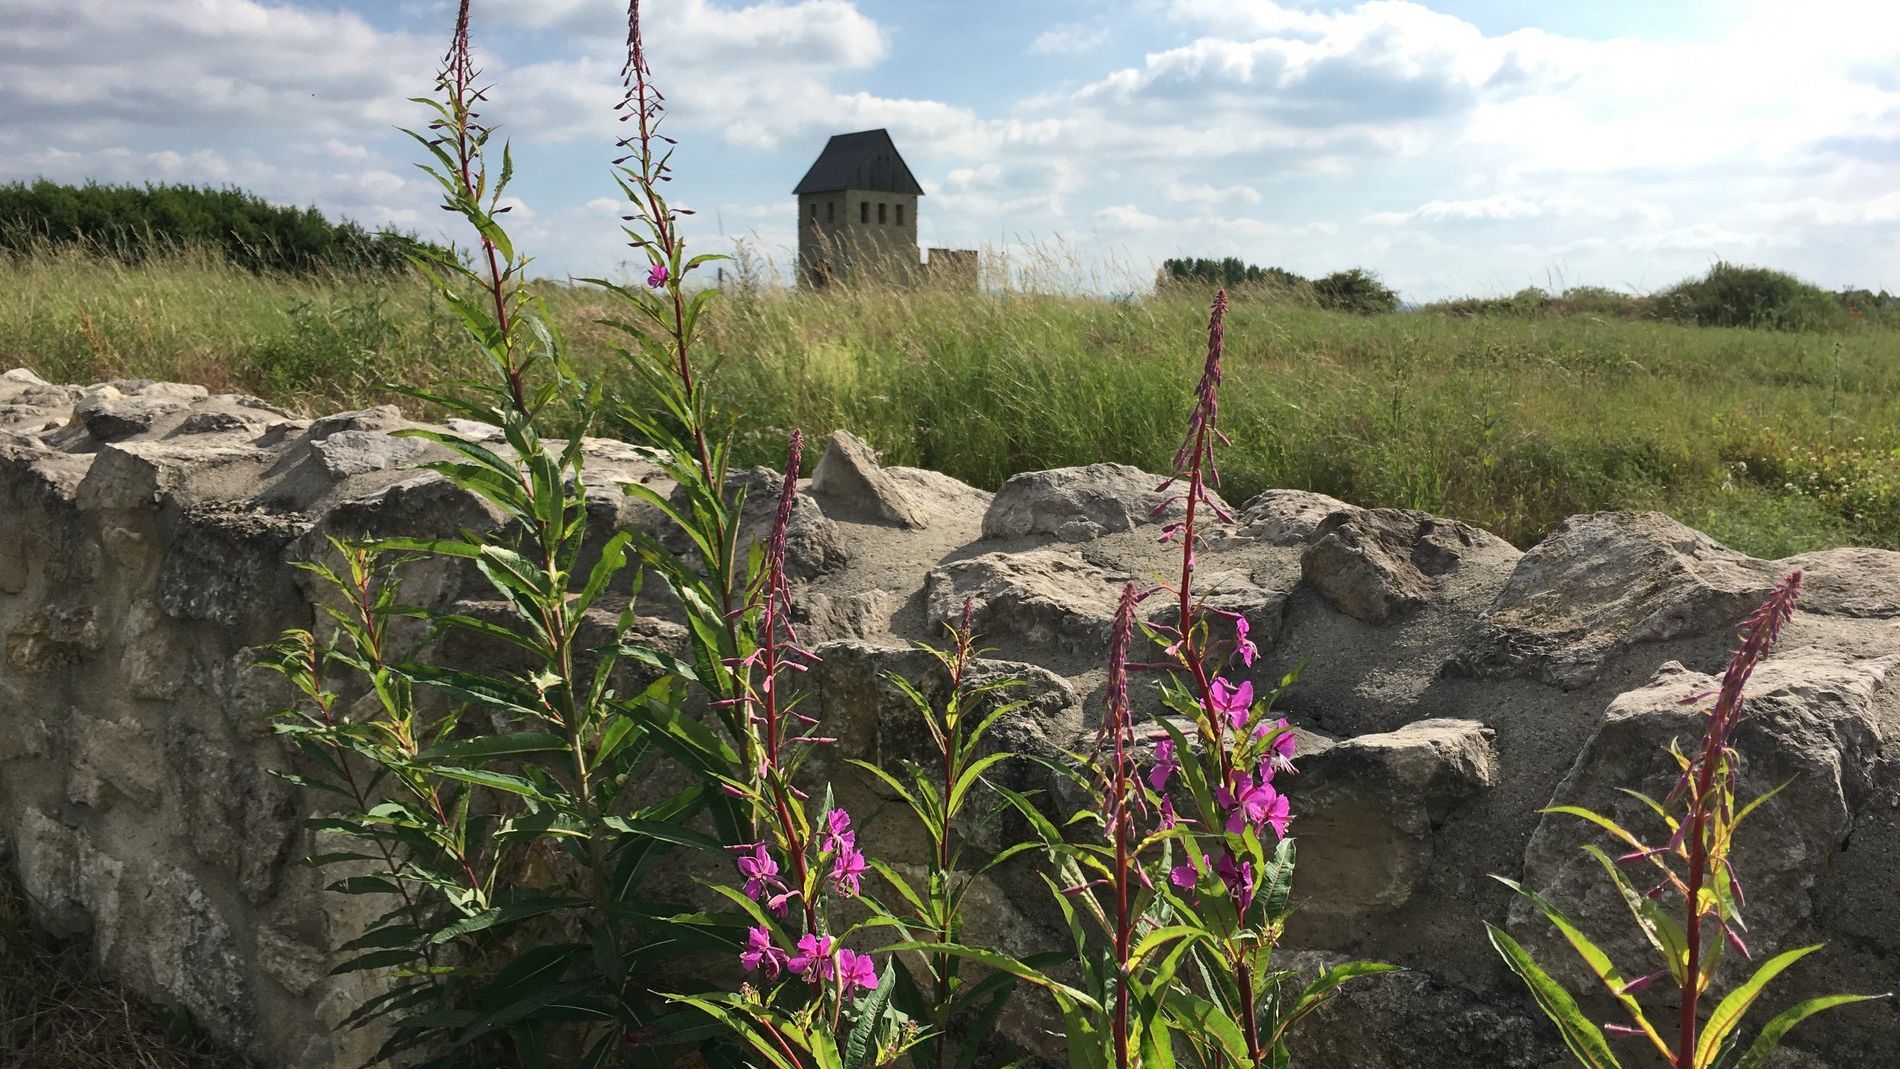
pixel 1357 290
pixel 1229 271
pixel 1533 301
pixel 133 222
pixel 1734 296
pixel 1865 307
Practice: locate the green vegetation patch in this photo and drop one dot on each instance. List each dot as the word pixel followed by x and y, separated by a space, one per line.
pixel 1776 442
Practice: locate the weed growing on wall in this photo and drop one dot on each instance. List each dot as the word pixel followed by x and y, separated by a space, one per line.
pixel 1685 896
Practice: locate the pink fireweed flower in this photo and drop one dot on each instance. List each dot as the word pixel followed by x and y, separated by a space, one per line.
pixel 1235 703
pixel 657 276
pixel 1280 754
pixel 1242 644
pixel 761 955
pixel 847 870
pixel 1183 876
pixel 1239 879
pixel 855 970
pixel 815 959
pixel 1168 817
pixel 760 872
pixel 1253 803
pixel 838 830
pixel 1165 765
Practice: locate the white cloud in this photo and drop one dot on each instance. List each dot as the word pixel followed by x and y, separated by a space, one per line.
pixel 1312 135
pixel 1072 38
pixel 1201 193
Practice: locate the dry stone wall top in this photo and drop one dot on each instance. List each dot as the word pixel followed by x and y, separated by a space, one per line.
pixel 1452 687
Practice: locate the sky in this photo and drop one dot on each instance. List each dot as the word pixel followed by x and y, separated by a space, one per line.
pixel 1454 146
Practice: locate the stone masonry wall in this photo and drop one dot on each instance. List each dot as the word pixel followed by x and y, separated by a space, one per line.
pixel 1453 686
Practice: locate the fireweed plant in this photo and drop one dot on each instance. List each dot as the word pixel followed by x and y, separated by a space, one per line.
pixel 489 811
pixel 503 818
pixel 940 795
pixel 1692 872
pixel 1176 898
pixel 811 1002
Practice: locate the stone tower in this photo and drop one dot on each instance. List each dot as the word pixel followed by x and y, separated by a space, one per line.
pixel 857 213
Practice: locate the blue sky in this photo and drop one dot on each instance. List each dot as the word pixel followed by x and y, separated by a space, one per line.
pixel 1455 146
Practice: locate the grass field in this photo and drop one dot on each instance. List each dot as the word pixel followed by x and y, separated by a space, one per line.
pixel 1773 442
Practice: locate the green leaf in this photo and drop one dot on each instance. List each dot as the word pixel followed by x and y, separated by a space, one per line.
pixel 1784 1022
pixel 858 1049
pixel 515 742
pixel 1580 1034
pixel 482 777
pixel 1203 1020
pixel 1002 963
pixel 1599 962
pixel 1735 1005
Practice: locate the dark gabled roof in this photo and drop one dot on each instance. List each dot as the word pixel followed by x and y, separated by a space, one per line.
pixel 865 160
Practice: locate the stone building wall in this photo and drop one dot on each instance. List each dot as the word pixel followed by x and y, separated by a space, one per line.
pixel 1453 686
pixel 858 235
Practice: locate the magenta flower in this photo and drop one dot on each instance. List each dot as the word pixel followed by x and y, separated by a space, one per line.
pixel 847 869
pixel 1183 876
pixel 656 277
pixel 1242 644
pixel 814 958
pixel 1165 765
pixel 1280 755
pixel 1235 703
pixel 1239 879
pixel 855 970
pixel 838 825
pixel 760 955
pixel 1168 817
pixel 1253 802
pixel 760 872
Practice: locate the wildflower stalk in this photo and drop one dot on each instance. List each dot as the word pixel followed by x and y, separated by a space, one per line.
pixel 1210 880
pixel 662 333
pixel 1122 799
pixel 1694 863
pixel 939 796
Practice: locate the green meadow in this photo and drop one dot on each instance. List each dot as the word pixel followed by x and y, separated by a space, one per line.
pixel 1773 441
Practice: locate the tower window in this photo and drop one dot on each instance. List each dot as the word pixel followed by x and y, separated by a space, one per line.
pixel 864 211
pixel 900 215
pixel 880 214
pixel 831 211
pixel 814 211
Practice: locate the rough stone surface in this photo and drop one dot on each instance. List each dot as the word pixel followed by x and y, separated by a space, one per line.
pixel 1449 689
pixel 1604 582
pixel 1375 799
pixel 1374 564
pixel 848 481
pixel 1285 517
pixel 1077 504
pixel 1039 598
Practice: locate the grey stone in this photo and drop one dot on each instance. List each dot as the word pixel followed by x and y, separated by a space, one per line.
pixel 1041 598
pixel 1079 504
pixel 1285 517
pixel 1377 564
pixel 1608 581
pixel 1374 800
pixel 850 485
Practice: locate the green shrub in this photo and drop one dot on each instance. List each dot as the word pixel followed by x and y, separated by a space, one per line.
pixel 1734 296
pixel 133 222
pixel 1357 290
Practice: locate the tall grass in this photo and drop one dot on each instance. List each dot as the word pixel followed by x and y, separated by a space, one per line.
pixel 1776 442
